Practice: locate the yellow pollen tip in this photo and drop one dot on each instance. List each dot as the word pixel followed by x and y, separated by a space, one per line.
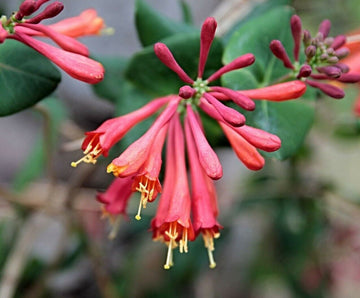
pixel 137 217
pixel 74 164
pixel 167 267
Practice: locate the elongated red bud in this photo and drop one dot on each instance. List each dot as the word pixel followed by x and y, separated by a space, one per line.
pixel 65 42
pixel 25 9
pixel 209 109
pixel 304 71
pixel 230 115
pixel 278 92
pixel 324 28
pixel 239 62
pixel 246 152
pixel 339 41
pixel 328 89
pixel 330 71
pixel 307 38
pixel 208 158
pixel 279 51
pixel 349 78
pixel 296 31
pixel 40 2
pixel 241 100
pixel 166 57
pixel 77 66
pixel 186 92
pixel 206 38
pixel 259 138
pixel 52 10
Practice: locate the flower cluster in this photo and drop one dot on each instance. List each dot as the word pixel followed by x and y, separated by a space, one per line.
pixel 184 212
pixel 72 56
pixel 322 56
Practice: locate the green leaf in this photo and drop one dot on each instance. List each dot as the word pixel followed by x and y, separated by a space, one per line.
pixel 26 77
pixel 152 26
pixel 35 163
pixel 147 72
pixel 111 86
pixel 290 121
pixel 257 11
pixel 186 12
pixel 255 37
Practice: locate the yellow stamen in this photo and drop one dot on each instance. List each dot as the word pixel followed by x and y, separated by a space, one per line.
pixel 146 187
pixel 116 170
pixel 91 154
pixel 209 244
pixel 183 242
pixel 172 234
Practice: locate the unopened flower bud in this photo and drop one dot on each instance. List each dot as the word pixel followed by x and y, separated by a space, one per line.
pixel 339 41
pixel 328 41
pixel 324 28
pixel 349 78
pixel 310 51
pixel 52 10
pixel 324 57
pixel 307 38
pixel 26 8
pixel 330 51
pixel 186 92
pixel 295 24
pixel 279 51
pixel 330 71
pixel 328 89
pixel 343 67
pixel 304 71
pixel 332 60
pixel 342 53
pixel 319 37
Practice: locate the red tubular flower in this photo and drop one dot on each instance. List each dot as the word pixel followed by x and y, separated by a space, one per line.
pixel 79 67
pixel 172 223
pixel 101 140
pixel 115 200
pixel 72 58
pixel 147 181
pixel 87 23
pixel 131 160
pixel 279 51
pixel 203 198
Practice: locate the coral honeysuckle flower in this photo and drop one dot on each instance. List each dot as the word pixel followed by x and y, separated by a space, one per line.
pixel 172 223
pixel 141 162
pixel 203 198
pixel 323 55
pixel 115 201
pixel 72 56
pixel 101 140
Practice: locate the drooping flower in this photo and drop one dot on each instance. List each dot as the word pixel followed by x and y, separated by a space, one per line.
pixel 172 223
pixel 72 56
pixel 142 160
pixel 322 56
pixel 115 200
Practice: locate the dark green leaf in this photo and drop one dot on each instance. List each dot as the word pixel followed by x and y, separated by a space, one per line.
pixel 255 37
pixel 257 11
pixel 152 26
pixel 26 77
pixel 147 72
pixel 290 121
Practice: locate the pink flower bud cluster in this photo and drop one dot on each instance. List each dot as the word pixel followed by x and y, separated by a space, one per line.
pixel 71 56
pixel 322 56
